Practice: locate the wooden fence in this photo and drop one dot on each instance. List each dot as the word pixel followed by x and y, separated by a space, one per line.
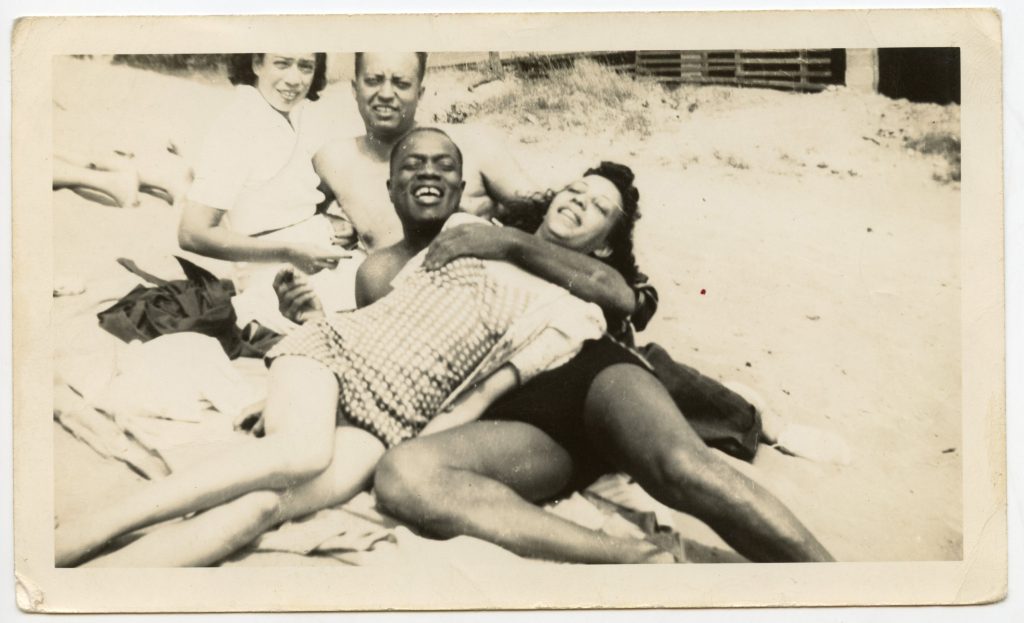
pixel 801 70
pixel 798 70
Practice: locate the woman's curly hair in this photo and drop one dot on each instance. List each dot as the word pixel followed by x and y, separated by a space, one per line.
pixel 240 72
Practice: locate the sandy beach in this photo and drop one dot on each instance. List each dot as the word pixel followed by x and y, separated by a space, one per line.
pixel 806 246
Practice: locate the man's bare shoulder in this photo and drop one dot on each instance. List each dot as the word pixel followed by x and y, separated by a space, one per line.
pixel 474 137
pixel 373 279
pixel 334 155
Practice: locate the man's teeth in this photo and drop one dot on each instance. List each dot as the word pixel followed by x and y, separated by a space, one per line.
pixel 427 191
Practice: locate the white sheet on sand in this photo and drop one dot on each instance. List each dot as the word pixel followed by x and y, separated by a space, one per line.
pixel 177 395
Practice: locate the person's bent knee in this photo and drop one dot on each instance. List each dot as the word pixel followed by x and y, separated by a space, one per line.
pixel 401 481
pixel 693 470
pixel 296 463
pixel 262 507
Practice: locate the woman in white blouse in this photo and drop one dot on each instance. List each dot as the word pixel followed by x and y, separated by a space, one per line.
pixel 255 192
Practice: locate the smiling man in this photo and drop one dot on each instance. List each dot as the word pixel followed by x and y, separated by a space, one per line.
pixel 425 188
pixel 387 88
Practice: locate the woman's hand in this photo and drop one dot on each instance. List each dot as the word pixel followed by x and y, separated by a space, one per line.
pixel 296 298
pixel 311 258
pixel 472 240
pixel 344 234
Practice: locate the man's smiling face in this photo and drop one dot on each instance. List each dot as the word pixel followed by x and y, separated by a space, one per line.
pixel 387 88
pixel 426 177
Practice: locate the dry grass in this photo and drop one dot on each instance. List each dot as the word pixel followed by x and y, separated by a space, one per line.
pixel 587 96
pixel 944 144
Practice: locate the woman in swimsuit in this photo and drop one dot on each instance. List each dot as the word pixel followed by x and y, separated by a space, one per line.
pixel 603 411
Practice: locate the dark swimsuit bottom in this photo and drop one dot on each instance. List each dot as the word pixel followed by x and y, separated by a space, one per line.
pixel 554 402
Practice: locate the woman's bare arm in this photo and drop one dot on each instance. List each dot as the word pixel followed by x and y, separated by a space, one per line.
pixel 472 403
pixel 585 277
pixel 202 231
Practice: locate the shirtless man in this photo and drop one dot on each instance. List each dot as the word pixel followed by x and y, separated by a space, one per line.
pixel 387 88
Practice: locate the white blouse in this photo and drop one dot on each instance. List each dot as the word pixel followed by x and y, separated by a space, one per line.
pixel 253 166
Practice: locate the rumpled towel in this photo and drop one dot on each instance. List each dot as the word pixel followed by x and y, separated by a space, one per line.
pixel 172 376
pixel 159 394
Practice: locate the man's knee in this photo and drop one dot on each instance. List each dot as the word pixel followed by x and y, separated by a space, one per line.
pixel 690 470
pixel 402 480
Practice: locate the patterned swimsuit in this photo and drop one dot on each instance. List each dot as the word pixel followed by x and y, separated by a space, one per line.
pixel 398 359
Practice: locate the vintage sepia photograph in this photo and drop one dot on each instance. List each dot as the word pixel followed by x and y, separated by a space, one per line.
pixel 329 311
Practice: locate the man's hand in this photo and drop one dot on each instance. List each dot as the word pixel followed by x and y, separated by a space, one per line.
pixel 296 298
pixel 311 258
pixel 472 240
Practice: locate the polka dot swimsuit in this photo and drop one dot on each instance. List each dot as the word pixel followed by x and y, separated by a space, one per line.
pixel 398 360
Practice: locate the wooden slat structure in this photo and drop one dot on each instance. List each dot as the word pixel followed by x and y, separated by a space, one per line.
pixel 797 70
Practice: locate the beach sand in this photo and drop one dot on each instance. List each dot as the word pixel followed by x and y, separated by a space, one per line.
pixel 799 245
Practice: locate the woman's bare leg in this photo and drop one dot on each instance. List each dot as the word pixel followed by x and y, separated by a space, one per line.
pixel 479 480
pixel 632 420
pixel 217 533
pixel 300 416
pixel 117 188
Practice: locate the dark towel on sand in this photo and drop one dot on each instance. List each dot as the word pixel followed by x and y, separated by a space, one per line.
pixel 722 418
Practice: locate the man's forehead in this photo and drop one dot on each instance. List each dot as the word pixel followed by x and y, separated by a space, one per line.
pixel 391 63
pixel 291 55
pixel 428 144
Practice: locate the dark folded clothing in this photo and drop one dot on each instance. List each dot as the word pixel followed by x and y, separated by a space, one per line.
pixel 200 303
pixel 722 418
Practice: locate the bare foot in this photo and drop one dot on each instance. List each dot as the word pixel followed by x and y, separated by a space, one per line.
pixel 815 444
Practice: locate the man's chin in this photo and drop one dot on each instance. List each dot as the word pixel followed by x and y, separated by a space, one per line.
pixel 391 128
pixel 427 227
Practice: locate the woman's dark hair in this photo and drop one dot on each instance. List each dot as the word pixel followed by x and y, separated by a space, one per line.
pixel 620 239
pixel 240 72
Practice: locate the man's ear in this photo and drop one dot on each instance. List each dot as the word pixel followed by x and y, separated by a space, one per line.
pixel 419 94
pixel 604 252
pixel 257 61
pixel 352 83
